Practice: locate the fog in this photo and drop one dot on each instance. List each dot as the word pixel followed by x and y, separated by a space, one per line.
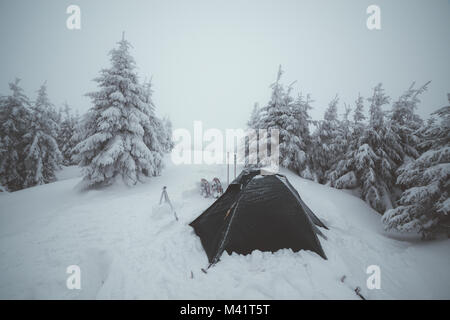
pixel 211 60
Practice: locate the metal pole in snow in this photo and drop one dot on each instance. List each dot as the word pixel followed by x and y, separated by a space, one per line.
pixel 235 165
pixel 228 169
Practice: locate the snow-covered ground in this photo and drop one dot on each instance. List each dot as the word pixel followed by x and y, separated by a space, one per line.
pixel 129 247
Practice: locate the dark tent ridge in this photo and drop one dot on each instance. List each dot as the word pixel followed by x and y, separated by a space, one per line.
pixel 258 211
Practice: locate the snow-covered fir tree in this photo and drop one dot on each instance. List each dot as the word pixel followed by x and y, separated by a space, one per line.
pixel 350 154
pixel 423 133
pixel 157 132
pixel 15 118
pixel 301 123
pixel 254 116
pixel 79 135
pixel 249 147
pixel 381 153
pixel 425 204
pixel 67 135
pixel 405 122
pixel 346 128
pixel 42 155
pixel 329 142
pixel 290 117
pixel 120 138
pixel 370 161
pixel 344 176
pixel 267 119
pixel 166 138
pixel 358 119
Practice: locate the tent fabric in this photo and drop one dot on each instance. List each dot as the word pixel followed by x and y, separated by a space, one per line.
pixel 258 212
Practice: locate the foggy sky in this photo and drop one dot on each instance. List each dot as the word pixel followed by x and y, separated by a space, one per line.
pixel 211 60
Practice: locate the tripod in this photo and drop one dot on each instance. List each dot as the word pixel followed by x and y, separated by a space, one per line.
pixel 165 197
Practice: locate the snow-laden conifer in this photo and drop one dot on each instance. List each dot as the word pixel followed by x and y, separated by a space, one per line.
pixel 425 204
pixel 121 138
pixel 290 117
pixel 42 155
pixel 15 118
pixel 67 135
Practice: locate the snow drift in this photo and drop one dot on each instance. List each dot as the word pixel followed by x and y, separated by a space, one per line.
pixel 128 247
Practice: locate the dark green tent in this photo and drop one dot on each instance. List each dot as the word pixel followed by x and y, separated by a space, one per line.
pixel 258 211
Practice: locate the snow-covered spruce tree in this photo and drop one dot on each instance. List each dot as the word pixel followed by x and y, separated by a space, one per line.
pixel 15 117
pixel 66 135
pixel 358 120
pixel 157 132
pixel 42 156
pixel 329 143
pixel 290 117
pixel 379 181
pixel 344 176
pixel 346 128
pixel 261 118
pixel 267 119
pixel 79 134
pixel 254 116
pixel 301 108
pixel 379 152
pixel 425 205
pixel 120 138
pixel 425 131
pixel 251 143
pixel 166 138
pixel 406 123
pixel 370 162
pixel 154 131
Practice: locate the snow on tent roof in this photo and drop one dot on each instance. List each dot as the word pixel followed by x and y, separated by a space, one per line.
pixel 258 212
pixel 266 172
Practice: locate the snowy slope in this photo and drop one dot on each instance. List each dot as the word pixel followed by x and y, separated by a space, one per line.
pixel 129 247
